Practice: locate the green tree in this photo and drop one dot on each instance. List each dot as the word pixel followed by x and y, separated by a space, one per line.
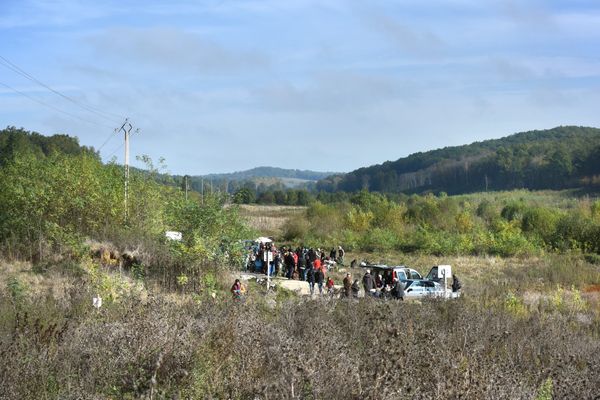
pixel 244 196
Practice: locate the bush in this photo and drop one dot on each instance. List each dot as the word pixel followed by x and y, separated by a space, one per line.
pixel 540 221
pixel 379 240
pixel 296 228
pixel 167 346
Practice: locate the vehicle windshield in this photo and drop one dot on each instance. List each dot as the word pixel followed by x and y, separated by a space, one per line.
pixel 433 274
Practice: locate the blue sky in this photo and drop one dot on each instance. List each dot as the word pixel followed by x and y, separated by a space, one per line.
pixel 331 85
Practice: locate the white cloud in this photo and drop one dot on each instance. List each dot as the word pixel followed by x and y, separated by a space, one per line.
pixel 174 49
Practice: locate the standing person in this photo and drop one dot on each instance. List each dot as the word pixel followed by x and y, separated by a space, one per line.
pixel 302 262
pixel 456 285
pixel 398 289
pixel 348 285
pixel 312 255
pixel 290 265
pixel 378 281
pixel 330 287
pixel 341 254
pixel 319 277
pixel 368 283
pixel 311 280
pixel 332 253
pixel 317 264
pixel 355 289
pixel 295 257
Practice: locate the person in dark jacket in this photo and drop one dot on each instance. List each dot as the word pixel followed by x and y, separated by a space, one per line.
pixel 348 285
pixel 319 278
pixel 355 289
pixel 311 279
pixel 312 255
pixel 456 285
pixel 302 262
pixel 398 289
pixel 289 262
pixel 368 283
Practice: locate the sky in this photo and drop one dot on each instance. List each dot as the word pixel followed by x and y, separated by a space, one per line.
pixel 327 85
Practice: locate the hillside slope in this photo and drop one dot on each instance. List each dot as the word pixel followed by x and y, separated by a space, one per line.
pixel 562 157
pixel 270 172
pixel 257 179
pixel 18 141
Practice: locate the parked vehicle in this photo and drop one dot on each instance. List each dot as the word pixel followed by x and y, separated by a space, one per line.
pixel 389 273
pixel 423 288
pixel 437 273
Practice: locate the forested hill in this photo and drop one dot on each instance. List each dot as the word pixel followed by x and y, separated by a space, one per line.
pixel 558 158
pixel 270 172
pixel 258 179
pixel 17 140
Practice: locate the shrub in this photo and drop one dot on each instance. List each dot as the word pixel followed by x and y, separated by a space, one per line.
pixel 379 240
pixel 513 210
pixel 540 221
pixel 545 390
pixel 296 227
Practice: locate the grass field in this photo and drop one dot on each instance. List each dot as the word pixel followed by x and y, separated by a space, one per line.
pixel 563 199
pixel 269 220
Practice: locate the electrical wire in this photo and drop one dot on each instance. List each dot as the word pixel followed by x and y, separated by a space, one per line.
pixel 15 68
pixel 108 139
pixel 115 150
pixel 54 107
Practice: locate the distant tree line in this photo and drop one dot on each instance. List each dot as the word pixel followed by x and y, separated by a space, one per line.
pixel 513 223
pixel 19 141
pixel 559 158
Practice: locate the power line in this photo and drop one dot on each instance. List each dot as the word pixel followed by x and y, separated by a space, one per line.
pixel 55 108
pixel 115 150
pixel 108 139
pixel 15 68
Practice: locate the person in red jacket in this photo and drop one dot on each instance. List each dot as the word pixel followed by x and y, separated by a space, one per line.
pixel 236 289
pixel 317 265
pixel 329 285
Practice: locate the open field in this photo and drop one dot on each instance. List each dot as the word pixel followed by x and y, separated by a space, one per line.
pixel 526 327
pixel 562 199
pixel 513 334
pixel 269 220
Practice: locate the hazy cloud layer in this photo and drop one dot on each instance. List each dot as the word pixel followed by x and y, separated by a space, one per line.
pixel 173 49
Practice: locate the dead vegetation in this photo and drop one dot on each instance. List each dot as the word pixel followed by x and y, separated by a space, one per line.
pixel 270 220
pixel 152 344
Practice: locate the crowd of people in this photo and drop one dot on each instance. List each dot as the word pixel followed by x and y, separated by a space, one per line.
pixel 311 265
pixel 376 286
pixel 302 263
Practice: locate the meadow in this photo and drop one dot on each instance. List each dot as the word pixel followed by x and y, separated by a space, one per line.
pixel 526 327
